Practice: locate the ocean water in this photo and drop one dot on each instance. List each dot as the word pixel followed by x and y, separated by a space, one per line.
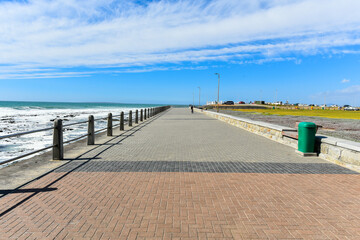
pixel 18 117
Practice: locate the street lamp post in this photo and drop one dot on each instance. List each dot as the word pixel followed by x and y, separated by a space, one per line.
pixel 218 90
pixel 199 96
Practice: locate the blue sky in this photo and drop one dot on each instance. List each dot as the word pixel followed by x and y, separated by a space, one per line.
pixel 161 51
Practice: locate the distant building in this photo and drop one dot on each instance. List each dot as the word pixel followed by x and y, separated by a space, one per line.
pixel 259 102
pixel 213 102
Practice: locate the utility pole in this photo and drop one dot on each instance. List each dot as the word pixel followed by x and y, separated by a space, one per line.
pixel 199 95
pixel 218 90
pixel 193 98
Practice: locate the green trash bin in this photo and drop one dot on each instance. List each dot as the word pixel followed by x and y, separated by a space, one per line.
pixel 306 141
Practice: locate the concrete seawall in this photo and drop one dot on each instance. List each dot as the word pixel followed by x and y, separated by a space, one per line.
pixel 342 152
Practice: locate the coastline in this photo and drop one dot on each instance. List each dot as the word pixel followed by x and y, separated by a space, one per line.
pixel 28 116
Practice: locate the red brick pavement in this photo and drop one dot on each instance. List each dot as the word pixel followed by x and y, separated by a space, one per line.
pixel 131 205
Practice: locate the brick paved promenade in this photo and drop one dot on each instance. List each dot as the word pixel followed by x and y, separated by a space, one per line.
pixel 186 176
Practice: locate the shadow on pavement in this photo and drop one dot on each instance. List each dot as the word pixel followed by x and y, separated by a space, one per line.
pixel 28 190
pixel 8 191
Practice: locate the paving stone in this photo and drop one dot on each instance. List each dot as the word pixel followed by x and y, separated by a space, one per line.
pixel 211 167
pixel 186 176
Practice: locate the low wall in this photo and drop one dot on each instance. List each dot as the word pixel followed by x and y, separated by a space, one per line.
pixel 342 152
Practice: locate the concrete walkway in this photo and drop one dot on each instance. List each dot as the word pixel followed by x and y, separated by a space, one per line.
pixel 188 176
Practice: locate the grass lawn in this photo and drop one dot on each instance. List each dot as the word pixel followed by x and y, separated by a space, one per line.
pixel 305 112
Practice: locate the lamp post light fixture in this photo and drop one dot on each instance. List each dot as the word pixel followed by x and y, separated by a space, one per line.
pixel 199 95
pixel 218 90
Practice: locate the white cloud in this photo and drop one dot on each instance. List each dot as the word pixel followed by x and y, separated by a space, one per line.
pixel 355 89
pixel 109 33
pixel 349 95
pixel 345 80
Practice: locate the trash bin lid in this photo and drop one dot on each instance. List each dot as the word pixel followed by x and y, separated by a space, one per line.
pixel 307 125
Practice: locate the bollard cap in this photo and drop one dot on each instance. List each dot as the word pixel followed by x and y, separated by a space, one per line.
pixel 307 125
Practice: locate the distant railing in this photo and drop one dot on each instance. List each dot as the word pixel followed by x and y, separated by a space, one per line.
pixel 58 143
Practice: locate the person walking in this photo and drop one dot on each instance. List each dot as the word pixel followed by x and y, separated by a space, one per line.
pixel 192 109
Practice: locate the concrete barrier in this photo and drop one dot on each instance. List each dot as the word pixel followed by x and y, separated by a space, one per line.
pixel 342 152
pixel 268 130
